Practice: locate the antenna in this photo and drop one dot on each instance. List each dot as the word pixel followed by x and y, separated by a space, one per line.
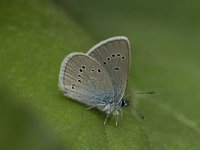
pixel 141 116
pixel 150 92
pixel 131 92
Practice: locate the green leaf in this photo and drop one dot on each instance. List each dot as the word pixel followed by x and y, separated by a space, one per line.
pixel 20 128
pixel 35 37
pixel 164 36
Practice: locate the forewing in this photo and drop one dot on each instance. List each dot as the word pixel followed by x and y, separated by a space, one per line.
pixel 85 80
pixel 114 55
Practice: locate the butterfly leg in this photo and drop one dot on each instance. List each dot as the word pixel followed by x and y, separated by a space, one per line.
pixel 106 119
pixel 89 108
pixel 99 105
pixel 117 117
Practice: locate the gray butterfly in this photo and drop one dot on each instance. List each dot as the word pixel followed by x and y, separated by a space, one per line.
pixel 98 78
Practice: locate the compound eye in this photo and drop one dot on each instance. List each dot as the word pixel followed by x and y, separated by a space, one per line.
pixel 122 103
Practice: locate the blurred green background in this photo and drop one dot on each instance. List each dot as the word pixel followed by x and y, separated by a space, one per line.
pixel 36 35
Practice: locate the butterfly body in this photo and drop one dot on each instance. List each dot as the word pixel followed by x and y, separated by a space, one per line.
pixel 98 79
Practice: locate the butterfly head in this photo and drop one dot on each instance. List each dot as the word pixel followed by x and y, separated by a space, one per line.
pixel 114 107
pixel 124 102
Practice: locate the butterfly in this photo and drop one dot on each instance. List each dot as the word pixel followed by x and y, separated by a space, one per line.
pixel 98 78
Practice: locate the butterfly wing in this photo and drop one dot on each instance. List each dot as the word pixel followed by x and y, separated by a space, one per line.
pixel 85 80
pixel 114 55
